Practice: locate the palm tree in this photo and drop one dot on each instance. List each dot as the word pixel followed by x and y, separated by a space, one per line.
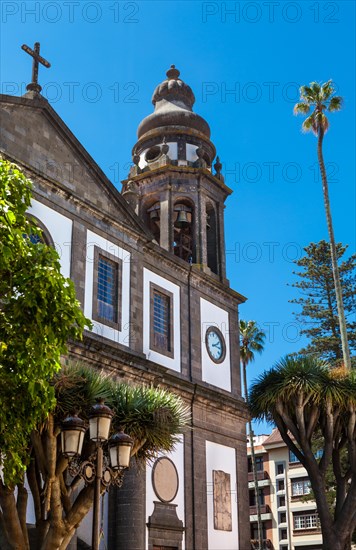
pixel 251 342
pixel 320 98
pixel 303 397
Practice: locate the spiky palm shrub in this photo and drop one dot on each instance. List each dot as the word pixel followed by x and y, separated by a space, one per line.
pixel 302 396
pixel 153 417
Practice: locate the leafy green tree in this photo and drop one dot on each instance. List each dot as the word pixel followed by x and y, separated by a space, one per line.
pixel 318 314
pixel 321 98
pixel 251 342
pixel 38 314
pixel 153 417
pixel 304 397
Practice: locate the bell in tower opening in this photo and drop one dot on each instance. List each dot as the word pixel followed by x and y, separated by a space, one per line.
pixel 179 195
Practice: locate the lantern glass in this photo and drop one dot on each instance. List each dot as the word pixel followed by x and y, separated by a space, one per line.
pixel 99 428
pixel 120 455
pixel 72 441
pixel 120 446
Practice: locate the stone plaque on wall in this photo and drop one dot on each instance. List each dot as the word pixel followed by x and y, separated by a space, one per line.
pixel 222 501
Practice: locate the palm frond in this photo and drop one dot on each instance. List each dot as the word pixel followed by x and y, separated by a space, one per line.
pixel 306 377
pixel 309 123
pixel 335 104
pixel 301 108
pixel 307 94
pixel 154 417
pixel 316 89
pixel 327 89
pixel 251 340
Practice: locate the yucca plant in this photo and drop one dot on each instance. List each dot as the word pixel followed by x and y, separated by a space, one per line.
pixel 320 99
pixel 304 397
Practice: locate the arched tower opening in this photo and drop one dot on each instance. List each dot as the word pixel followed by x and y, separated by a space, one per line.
pixel 153 219
pixel 211 238
pixel 183 230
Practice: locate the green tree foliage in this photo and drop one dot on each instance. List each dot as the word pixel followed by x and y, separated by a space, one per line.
pixel 321 98
pixel 38 313
pixel 153 417
pixel 318 314
pixel 305 398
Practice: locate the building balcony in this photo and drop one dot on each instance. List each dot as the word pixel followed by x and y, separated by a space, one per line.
pixel 262 477
pixel 266 512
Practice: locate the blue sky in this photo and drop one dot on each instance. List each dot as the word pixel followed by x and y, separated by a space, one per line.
pixel 244 62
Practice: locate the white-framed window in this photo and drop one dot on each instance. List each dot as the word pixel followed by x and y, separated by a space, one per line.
pixel 306 521
pixel 300 487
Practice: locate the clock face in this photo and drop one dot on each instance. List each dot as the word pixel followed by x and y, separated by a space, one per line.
pixel 215 344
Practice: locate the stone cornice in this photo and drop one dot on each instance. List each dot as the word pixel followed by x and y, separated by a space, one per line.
pixel 171 169
pixel 126 363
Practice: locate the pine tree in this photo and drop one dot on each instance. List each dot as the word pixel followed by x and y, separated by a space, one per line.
pixel 318 316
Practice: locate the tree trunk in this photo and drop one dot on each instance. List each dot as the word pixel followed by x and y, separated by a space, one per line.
pixel 254 471
pixel 338 289
pixel 332 540
pixel 12 523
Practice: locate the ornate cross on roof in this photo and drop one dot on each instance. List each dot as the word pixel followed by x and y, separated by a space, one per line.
pixel 35 53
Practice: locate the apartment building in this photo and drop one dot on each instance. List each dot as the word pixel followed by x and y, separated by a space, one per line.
pixel 289 520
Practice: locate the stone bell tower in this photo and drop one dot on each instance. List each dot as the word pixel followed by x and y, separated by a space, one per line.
pixel 174 186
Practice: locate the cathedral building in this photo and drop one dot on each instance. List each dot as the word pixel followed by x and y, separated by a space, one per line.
pixel 148 264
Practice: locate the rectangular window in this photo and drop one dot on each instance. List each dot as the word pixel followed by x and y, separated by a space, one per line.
pixel 280 469
pixel 292 457
pixel 280 485
pixel 282 517
pixel 306 521
pixel 300 487
pixel 254 531
pixel 106 288
pixel 161 324
pixel 261 497
pixel 161 320
pixel 259 463
pixel 281 501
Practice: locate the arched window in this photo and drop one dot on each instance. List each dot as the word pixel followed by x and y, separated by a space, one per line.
pixel 44 237
pixel 153 214
pixel 211 238
pixel 183 221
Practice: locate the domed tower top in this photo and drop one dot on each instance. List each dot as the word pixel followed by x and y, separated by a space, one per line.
pixel 174 89
pixel 174 123
pixel 172 185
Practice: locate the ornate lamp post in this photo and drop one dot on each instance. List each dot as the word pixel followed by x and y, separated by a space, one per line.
pixel 99 468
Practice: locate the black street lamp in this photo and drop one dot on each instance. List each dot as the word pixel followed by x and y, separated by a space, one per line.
pixel 99 468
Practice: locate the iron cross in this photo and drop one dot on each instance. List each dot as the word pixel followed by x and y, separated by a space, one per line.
pixel 35 54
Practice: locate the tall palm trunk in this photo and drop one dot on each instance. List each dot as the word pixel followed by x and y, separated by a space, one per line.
pixel 254 470
pixel 338 289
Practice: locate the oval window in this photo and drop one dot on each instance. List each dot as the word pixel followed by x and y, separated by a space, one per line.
pixel 153 153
